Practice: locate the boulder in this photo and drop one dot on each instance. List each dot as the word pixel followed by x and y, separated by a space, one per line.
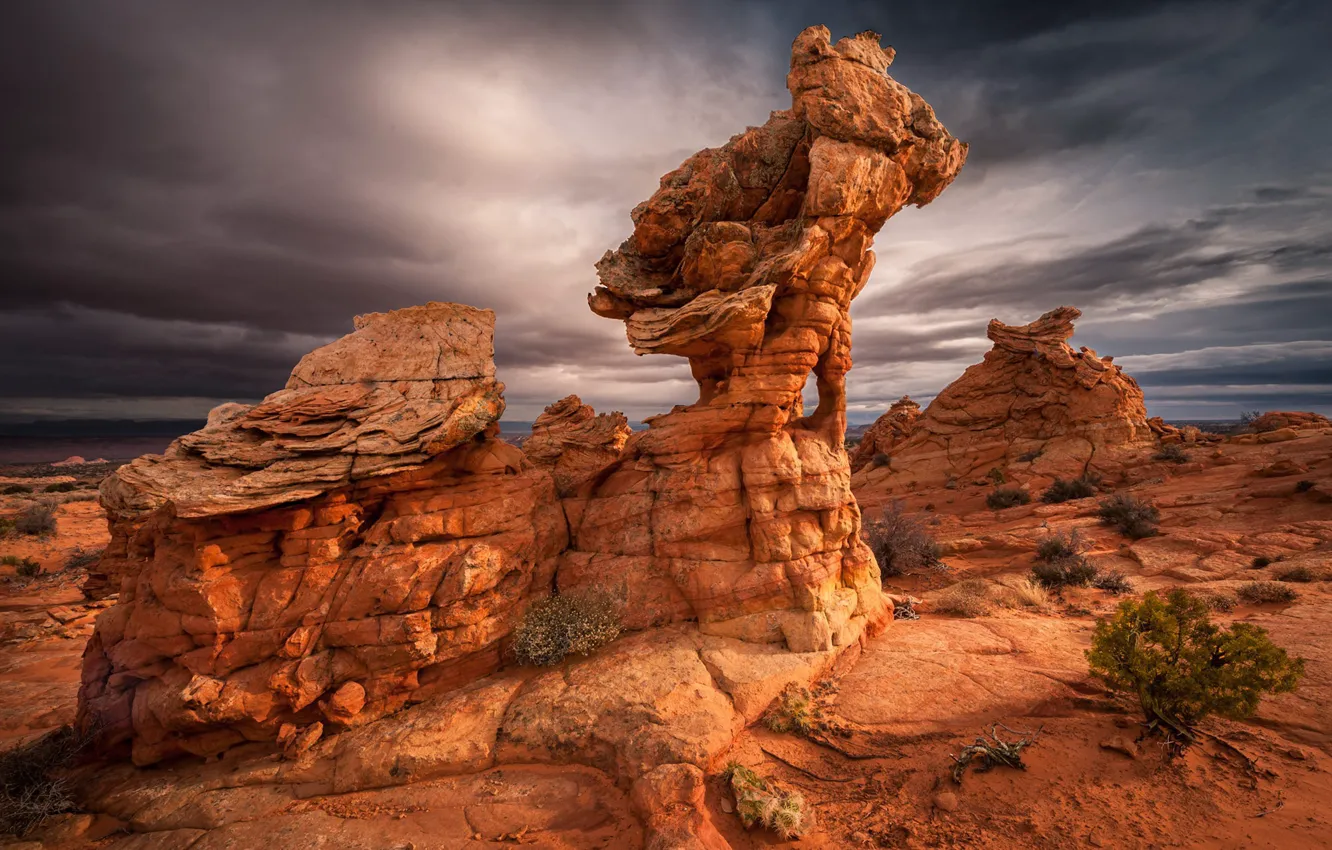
pixel 887 432
pixel 572 442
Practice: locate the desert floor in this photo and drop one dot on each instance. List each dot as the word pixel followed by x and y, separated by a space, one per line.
pixel 919 693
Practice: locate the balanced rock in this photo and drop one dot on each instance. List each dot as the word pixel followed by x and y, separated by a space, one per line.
pixel 737 510
pixel 887 432
pixel 574 443
pixel 1034 403
pixel 353 542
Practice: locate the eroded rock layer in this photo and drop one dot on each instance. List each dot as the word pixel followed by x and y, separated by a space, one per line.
pixel 573 442
pixel 737 510
pixel 1034 403
pixel 353 542
pixel 888 431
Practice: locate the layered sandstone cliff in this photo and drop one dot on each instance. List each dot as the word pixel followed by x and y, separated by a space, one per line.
pixel 1033 404
pixel 352 542
pixel 737 510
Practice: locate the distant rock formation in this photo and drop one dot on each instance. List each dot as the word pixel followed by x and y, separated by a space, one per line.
pixel 887 432
pixel 571 441
pixel 737 510
pixel 350 543
pixel 1034 403
pixel 1275 420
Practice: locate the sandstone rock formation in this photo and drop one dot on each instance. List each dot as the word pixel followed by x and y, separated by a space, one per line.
pixel 1034 403
pixel 571 441
pixel 354 541
pixel 1275 420
pixel 737 510
pixel 888 431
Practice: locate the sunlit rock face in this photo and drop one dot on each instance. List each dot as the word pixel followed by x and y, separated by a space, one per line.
pixel 737 510
pixel 1034 404
pixel 356 541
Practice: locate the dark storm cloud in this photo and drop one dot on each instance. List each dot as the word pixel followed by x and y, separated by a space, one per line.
pixel 193 195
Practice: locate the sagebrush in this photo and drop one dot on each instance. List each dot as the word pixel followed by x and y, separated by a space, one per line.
pixel 1261 592
pixel 1007 497
pixel 1182 667
pixel 901 542
pixel 1173 453
pixel 969 598
pixel 38 519
pixel 1066 490
pixel 31 787
pixel 576 623
pixel 1130 516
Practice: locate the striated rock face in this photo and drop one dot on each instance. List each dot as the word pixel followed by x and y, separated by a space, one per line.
pixel 1034 403
pixel 737 510
pixel 887 432
pixel 574 443
pixel 355 541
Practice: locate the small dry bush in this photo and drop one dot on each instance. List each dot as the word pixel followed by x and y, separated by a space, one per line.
pixel 900 542
pixel 1261 592
pixel 1060 545
pixel 1215 600
pixel 881 459
pixel 1023 593
pixel 997 475
pixel 1173 453
pixel 1183 668
pixel 61 487
pixel 38 519
pixel 82 558
pixel 26 567
pixel 970 598
pixel 1260 562
pixel 31 788
pixel 761 802
pixel 575 623
pixel 1007 497
pixel 1295 572
pixel 1066 571
pixel 1304 486
pixel 1130 516
pixel 15 489
pixel 1062 490
pixel 1112 581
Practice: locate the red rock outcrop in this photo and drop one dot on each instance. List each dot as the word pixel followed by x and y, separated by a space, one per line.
pixel 1034 404
pixel 737 510
pixel 887 432
pixel 1274 420
pixel 354 541
pixel 573 442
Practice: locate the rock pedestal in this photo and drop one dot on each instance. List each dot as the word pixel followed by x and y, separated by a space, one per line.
pixel 737 510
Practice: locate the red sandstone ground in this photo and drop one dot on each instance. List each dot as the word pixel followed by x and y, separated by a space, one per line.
pixel 917 694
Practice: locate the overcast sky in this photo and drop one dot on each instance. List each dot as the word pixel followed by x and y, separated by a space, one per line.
pixel 194 194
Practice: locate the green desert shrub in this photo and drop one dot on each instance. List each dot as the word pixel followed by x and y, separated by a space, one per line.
pixel 761 802
pixel 575 623
pixel 1263 592
pixel 1065 490
pixel 31 788
pixel 15 489
pixel 1131 517
pixel 996 475
pixel 1182 667
pixel 900 542
pixel 38 519
pixel 1068 571
pixel 1007 497
pixel 1173 453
